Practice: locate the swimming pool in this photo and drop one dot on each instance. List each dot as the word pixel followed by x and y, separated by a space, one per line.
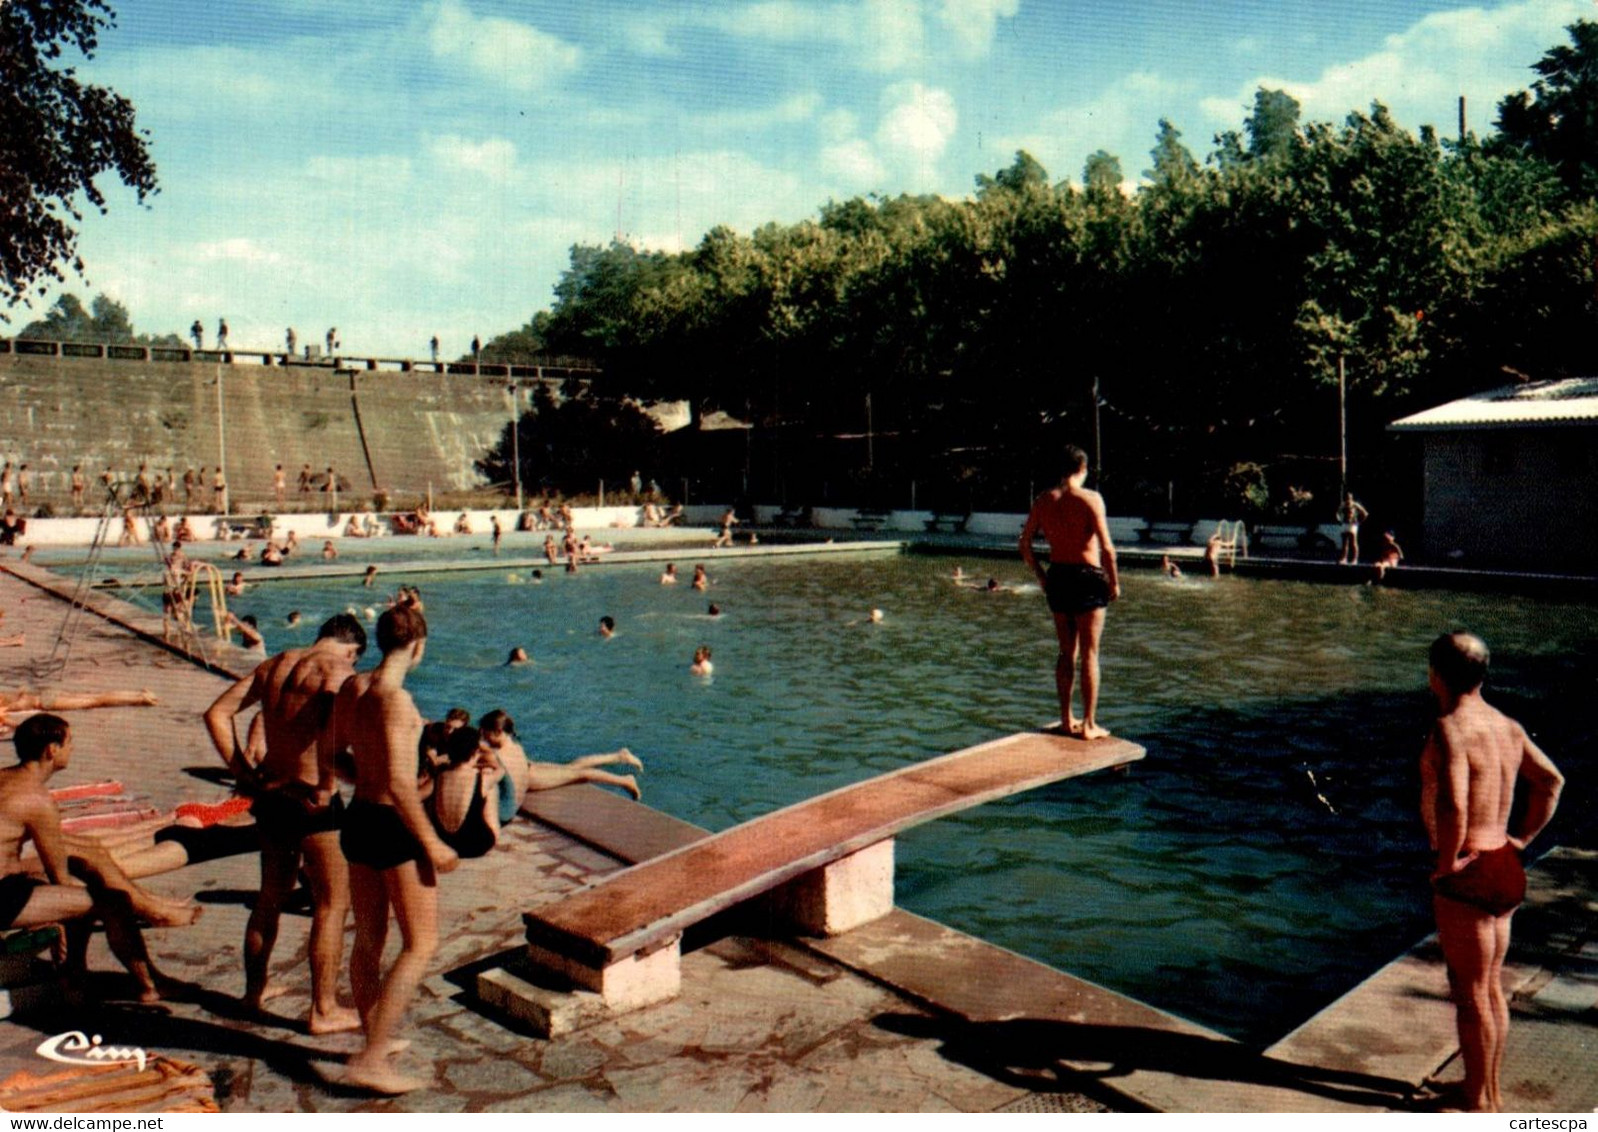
pixel 1265 857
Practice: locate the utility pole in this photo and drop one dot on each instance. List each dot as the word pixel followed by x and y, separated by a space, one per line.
pixel 515 444
pixel 1342 429
pixel 221 442
pixel 1098 463
pixel 871 462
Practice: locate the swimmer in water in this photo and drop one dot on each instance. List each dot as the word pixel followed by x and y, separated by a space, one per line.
pixel 371 577
pixel 714 610
pixel 607 627
pixel 669 578
pixel 293 618
pixel 876 616
pixel 518 655
pixel 1168 568
pixel 701 579
pixel 702 665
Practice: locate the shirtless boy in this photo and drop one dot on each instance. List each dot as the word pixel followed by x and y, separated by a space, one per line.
pixel 296 813
pixel 395 855
pixel 1472 761
pixel 44 746
pixel 1080 583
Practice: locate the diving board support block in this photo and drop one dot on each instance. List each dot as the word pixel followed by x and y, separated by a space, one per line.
pixel 839 897
pixel 822 866
pixel 629 983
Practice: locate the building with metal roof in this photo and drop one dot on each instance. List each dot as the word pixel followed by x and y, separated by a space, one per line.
pixel 1511 477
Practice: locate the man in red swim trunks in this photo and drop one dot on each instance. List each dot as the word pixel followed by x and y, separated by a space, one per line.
pixel 1080 583
pixel 1473 758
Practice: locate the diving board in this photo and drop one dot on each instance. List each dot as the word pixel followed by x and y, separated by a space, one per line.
pixel 822 866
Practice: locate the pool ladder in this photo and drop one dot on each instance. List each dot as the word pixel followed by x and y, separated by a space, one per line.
pixel 1233 535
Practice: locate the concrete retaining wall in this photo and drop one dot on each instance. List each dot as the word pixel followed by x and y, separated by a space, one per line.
pixel 420 428
pixel 310 527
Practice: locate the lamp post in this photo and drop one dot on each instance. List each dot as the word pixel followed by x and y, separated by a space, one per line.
pixel 1098 465
pixel 221 443
pixel 1342 431
pixel 515 444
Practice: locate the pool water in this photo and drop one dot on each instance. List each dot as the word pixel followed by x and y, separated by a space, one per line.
pixel 1264 858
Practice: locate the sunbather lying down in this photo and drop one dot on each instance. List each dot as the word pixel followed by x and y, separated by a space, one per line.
pixel 26 700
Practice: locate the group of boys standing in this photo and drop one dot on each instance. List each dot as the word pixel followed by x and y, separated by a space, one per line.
pixel 381 854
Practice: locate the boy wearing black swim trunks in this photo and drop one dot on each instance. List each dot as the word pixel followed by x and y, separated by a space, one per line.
pixel 28 812
pixel 393 850
pixel 1472 761
pixel 296 812
pixel 1080 583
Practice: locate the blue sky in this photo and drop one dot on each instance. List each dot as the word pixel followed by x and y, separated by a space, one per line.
pixel 404 169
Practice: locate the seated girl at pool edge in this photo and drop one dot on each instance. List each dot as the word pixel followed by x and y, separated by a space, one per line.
pixel 478 790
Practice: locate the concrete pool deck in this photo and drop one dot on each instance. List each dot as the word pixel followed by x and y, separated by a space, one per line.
pixel 903 1014
pixel 522 551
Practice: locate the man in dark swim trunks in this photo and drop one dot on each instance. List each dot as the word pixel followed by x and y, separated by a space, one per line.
pixel 296 813
pixel 1081 581
pixel 1472 760
pixel 83 882
pixel 395 855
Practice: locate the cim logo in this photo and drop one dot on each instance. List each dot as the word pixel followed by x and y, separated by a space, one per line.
pixel 76 1048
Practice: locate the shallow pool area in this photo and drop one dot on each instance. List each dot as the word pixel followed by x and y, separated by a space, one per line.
pixel 1266 856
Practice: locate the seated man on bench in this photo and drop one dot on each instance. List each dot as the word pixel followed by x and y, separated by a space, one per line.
pixel 44 746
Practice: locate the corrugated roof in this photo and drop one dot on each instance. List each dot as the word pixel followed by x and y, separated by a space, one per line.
pixel 1565 400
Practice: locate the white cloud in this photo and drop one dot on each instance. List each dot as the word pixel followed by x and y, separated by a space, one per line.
pixel 878 35
pixel 790 111
pixel 1419 73
pixel 891 34
pixel 838 125
pixel 853 164
pixel 494 158
pixel 503 50
pixel 238 248
pixel 779 21
pixel 916 128
pixel 972 23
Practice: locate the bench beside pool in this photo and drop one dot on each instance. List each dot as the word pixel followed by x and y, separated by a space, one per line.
pixel 820 867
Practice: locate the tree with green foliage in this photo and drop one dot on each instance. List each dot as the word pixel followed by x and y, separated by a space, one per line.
pixel 1102 173
pixel 569 443
pixel 1207 314
pixel 1025 173
pixel 1273 126
pixel 1557 120
pixel 105 321
pixel 57 135
pixel 1271 131
pixel 1172 160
